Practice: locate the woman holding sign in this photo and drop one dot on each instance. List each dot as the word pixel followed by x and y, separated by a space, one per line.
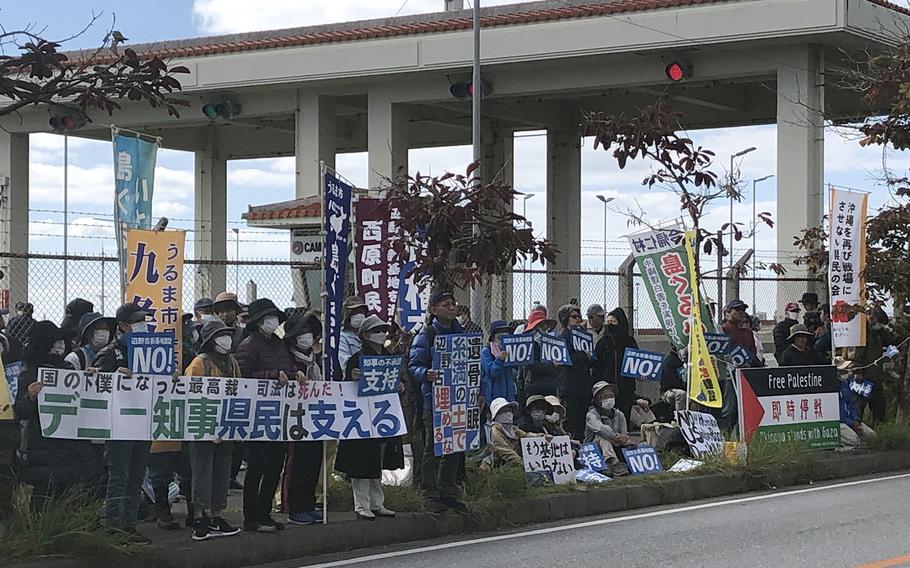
pixel 362 460
pixel 496 379
pixel 576 380
pixel 50 465
pixel 608 354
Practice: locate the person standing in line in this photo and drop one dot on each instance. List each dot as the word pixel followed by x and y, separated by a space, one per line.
pixel 575 379
pixel 440 474
pixel 362 460
pixel 596 322
pixel 800 352
pixel 95 333
pixel 70 326
pixel 303 464
pixel 354 311
pixel 126 459
pixel 608 355
pixel 227 308
pixel 263 355
pixel 210 461
pixel 782 329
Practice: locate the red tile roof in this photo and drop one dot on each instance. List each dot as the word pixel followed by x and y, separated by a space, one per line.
pixel 891 6
pixel 306 207
pixel 528 13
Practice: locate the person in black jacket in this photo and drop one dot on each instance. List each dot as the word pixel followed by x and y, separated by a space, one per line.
pixel 575 380
pixel 781 332
pixel 71 324
pixel 608 355
pixel 362 460
pixel 126 459
pixel 51 466
pixel 538 377
pixel 263 355
pixel 800 353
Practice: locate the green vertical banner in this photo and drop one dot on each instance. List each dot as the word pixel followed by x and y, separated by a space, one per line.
pixel 664 266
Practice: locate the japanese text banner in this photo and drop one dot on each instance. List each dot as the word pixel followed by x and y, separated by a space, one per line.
pixel 155 280
pixel 110 406
pixel 377 269
pixel 703 385
pixel 846 264
pixel 337 223
pixel 134 182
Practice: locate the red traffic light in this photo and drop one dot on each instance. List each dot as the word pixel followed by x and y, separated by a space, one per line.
pixel 63 122
pixel 675 72
pixel 465 89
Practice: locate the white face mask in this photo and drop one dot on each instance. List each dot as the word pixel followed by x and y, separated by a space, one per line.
pixel 376 338
pixel 269 325
pixel 553 418
pixel 208 317
pixel 59 347
pixel 505 417
pixel 793 315
pixel 608 403
pixel 101 337
pixel 305 341
pixel 357 320
pixel 139 327
pixel 223 344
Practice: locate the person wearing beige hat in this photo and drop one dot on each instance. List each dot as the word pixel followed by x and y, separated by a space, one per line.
pixel 354 312
pixel 534 417
pixel 800 352
pixel 227 308
pixel 506 437
pixel 606 426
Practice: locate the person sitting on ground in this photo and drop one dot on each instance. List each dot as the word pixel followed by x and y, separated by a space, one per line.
pixel 782 329
pixel 534 419
pixel 210 461
pixel 496 379
pixel 506 436
pixel 852 430
pixel 800 353
pixel 606 426
pixel 672 382
pixel 95 332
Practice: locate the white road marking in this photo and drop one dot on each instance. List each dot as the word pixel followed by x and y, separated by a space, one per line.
pixel 586 524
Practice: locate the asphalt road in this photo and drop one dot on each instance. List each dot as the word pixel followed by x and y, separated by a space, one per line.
pixel 857 523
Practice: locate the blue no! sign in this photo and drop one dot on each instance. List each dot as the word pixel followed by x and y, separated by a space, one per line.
pixel 640 364
pixel 151 353
pixel 519 349
pixel 642 460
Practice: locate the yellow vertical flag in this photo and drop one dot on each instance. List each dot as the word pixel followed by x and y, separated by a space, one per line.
pixel 703 385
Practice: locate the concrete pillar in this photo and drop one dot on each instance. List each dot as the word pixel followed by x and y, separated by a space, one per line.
pixel 497 164
pixel 210 240
pixel 564 214
pixel 800 154
pixel 315 140
pixel 387 139
pixel 13 217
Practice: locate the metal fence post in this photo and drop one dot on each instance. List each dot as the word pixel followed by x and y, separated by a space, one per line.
pixel 627 288
pixel 734 274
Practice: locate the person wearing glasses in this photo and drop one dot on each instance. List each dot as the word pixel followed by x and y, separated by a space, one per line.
pixel 575 381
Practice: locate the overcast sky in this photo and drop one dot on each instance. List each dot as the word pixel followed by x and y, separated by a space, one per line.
pixel 263 181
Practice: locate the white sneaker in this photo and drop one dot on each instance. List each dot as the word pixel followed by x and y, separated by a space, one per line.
pixel 365 515
pixel 383 512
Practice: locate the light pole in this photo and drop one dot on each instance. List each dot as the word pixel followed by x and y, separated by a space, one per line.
pixel 525 277
pixel 732 157
pixel 754 251
pixel 605 200
pixel 237 260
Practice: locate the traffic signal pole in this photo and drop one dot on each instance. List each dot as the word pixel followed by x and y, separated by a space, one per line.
pixel 477 294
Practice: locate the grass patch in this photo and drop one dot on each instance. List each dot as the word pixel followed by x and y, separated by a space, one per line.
pixel 68 525
pixel 402 499
pixel 890 436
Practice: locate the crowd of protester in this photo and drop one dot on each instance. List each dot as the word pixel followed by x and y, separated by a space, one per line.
pixel 587 399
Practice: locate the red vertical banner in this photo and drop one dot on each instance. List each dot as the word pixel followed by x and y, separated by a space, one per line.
pixel 376 268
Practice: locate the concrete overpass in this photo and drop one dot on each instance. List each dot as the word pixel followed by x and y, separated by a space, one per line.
pixel 382 86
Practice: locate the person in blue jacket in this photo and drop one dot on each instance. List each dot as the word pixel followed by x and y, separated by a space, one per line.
pixel 440 474
pixel 496 380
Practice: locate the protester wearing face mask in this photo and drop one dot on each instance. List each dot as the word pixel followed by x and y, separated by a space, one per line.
pixel 464 318
pixel 51 466
pixel 354 312
pixel 22 322
pixel 303 464
pixel 553 421
pixel 506 435
pixel 575 379
pixel 263 355
pixel 538 377
pixel 608 354
pixel 95 333
pixel 606 426
pixel 782 329
pixel 363 460
pixel 211 460
pixel 534 419
pixel 496 379
pixel 227 309
pixel 126 459
pixel 71 324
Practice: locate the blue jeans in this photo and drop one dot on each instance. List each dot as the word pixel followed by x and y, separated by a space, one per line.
pixel 126 461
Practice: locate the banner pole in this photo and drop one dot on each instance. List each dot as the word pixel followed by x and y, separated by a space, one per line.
pixel 325 485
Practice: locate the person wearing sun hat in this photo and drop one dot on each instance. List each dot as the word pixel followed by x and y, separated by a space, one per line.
pixel 534 418
pixel 606 426
pixel 506 437
pixel 263 355
pixel 227 308
pixel 95 332
pixel 800 352
pixel 211 460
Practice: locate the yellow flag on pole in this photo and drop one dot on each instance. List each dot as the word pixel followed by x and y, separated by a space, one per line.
pixel 703 385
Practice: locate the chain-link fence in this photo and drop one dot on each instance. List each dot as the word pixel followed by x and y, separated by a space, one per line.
pixel 52 280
